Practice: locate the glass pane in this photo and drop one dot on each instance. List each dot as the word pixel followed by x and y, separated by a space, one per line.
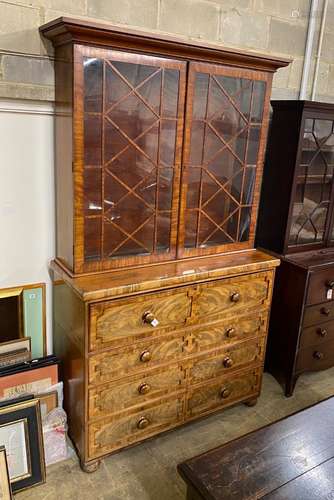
pixel 222 159
pixel 92 191
pixel 93 85
pixel 133 143
pixel 314 183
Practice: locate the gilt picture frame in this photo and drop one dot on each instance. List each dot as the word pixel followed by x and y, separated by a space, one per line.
pixel 21 435
pixel 5 487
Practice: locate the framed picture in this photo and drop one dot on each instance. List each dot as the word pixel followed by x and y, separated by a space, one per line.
pixel 30 381
pixel 5 487
pixel 15 345
pixel 48 402
pixel 21 435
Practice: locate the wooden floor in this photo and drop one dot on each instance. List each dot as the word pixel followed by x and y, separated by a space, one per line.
pixel 148 471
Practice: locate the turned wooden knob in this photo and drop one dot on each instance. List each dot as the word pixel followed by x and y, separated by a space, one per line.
pixel 230 332
pixel 145 356
pixel 225 393
pixel 227 362
pixel 318 355
pixel 330 284
pixel 322 332
pixel 142 423
pixel 235 297
pixel 144 388
pixel 149 318
pixel 325 311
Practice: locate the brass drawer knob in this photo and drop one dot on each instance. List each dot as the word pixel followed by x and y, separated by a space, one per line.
pixel 235 297
pixel 145 356
pixel 227 362
pixel 330 284
pixel 318 355
pixel 142 423
pixel 230 332
pixel 144 388
pixel 322 332
pixel 150 319
pixel 225 393
pixel 325 311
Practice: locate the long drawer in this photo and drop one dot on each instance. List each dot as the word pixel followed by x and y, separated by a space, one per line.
pixel 223 392
pixel 316 357
pixel 320 284
pixel 317 334
pixel 117 363
pixel 113 398
pixel 229 359
pixel 115 432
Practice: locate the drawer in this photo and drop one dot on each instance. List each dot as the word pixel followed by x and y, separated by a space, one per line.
pixel 320 282
pixel 226 360
pixel 223 392
pixel 113 398
pixel 121 322
pixel 316 357
pixel 317 334
pixel 233 296
pixel 115 432
pixel 318 314
pixel 230 331
pixel 118 363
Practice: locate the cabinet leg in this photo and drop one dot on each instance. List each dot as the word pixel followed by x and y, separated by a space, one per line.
pixel 290 386
pixel 90 467
pixel 251 402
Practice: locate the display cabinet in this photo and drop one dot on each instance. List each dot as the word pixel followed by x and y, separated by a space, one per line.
pixel 296 222
pixel 160 300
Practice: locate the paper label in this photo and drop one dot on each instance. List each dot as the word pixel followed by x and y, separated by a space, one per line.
pixel 329 294
pixel 155 322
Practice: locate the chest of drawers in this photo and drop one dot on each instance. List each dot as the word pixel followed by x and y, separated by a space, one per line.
pixel 302 320
pixel 139 361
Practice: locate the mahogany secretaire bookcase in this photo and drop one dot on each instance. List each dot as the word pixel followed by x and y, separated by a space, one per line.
pixel 296 221
pixel 160 300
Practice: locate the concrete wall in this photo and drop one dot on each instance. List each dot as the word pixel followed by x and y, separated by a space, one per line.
pixel 272 26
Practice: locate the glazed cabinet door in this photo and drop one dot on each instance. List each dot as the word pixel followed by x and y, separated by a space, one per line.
pixel 226 126
pixel 128 143
pixel 310 208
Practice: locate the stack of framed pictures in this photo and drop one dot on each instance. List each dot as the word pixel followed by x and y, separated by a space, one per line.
pixel 21 414
pixel 15 352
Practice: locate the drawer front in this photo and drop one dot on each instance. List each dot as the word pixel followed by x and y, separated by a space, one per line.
pixel 117 363
pixel 121 322
pixel 227 332
pixel 318 314
pixel 113 398
pixel 226 360
pixel 321 284
pixel 233 296
pixel 110 434
pixel 317 334
pixel 223 392
pixel 316 357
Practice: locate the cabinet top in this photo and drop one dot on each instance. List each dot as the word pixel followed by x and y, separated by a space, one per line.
pixel 302 105
pixel 71 30
pixel 189 271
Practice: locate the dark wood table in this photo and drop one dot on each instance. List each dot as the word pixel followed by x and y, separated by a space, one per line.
pixel 292 459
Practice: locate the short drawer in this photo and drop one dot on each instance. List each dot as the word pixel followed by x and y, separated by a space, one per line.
pixel 317 334
pixel 233 296
pixel 320 285
pixel 230 331
pixel 113 398
pixel 117 363
pixel 116 432
pixel 226 360
pixel 316 357
pixel 223 392
pixel 318 314
pixel 121 322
